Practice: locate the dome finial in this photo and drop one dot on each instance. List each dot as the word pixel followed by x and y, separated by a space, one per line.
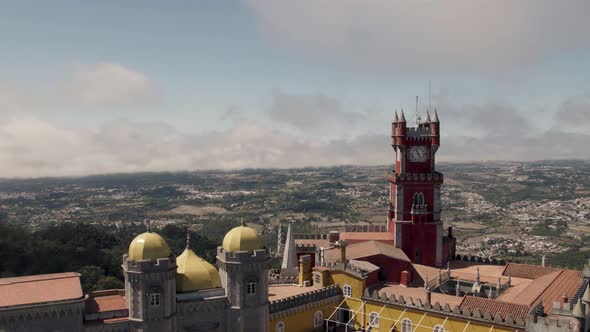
pixel 242 222
pixel 188 238
pixel 149 226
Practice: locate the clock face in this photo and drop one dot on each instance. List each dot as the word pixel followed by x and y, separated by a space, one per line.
pixel 418 153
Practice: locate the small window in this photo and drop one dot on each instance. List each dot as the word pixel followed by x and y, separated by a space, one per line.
pixel 347 290
pixel 280 327
pixel 418 199
pixel 155 298
pixel 251 287
pixel 374 319
pixel 406 325
pixel 318 319
pixel 439 328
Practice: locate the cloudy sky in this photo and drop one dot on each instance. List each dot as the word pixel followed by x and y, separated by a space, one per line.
pixel 90 87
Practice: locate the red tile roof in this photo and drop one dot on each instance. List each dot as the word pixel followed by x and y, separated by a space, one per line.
pixel 106 303
pixel 527 271
pixel 567 282
pixel 40 289
pixel 495 307
pixel 367 249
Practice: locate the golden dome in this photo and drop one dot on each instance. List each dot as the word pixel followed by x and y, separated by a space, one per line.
pixel 194 273
pixel 148 246
pixel 242 238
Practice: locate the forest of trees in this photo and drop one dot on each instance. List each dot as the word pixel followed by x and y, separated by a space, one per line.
pixel 94 251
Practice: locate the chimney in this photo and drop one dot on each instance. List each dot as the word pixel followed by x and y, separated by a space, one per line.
pixel 543 261
pixel 322 259
pixel 342 246
pixel 450 232
pixel 405 278
pixel 305 270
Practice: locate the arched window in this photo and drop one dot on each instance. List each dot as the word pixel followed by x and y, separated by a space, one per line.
pixel 406 325
pixel 251 287
pixel 155 297
pixel 280 327
pixel 418 199
pixel 318 319
pixel 347 290
pixel 439 328
pixel 374 319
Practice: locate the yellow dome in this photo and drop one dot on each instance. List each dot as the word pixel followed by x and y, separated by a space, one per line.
pixel 242 238
pixel 194 273
pixel 148 246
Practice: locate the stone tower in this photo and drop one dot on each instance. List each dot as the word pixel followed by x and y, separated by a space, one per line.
pixel 415 206
pixel 242 268
pixel 150 284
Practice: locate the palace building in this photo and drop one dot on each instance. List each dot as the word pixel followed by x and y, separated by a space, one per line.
pixel 402 276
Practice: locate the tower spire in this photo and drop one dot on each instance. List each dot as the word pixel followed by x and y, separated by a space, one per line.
pixel 435 116
pixel 395 118
pixel 402 118
pixel 188 239
pixel 427 116
pixel 280 240
pixel 289 255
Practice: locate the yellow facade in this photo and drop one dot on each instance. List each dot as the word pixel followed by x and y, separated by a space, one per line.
pixel 342 278
pixel 422 321
pixel 302 320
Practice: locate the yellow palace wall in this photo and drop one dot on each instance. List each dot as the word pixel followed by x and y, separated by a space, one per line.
pixel 391 315
pixel 302 321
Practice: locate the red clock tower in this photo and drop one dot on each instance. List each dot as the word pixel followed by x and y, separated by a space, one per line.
pixel 414 201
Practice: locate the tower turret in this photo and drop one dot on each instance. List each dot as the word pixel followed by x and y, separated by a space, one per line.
pixel 242 268
pixel 435 131
pixel 149 269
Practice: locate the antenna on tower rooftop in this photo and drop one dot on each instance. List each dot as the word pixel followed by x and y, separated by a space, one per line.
pixel 417 114
pixel 429 95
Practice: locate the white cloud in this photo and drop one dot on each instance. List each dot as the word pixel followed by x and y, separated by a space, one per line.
pixel 312 112
pixel 404 35
pixel 87 87
pixel 30 147
pixel 109 84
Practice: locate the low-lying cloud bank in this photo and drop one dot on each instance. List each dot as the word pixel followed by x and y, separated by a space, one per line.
pixel 30 147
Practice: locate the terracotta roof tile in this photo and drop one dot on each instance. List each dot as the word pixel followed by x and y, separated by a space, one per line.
pixel 495 307
pixel 367 249
pixel 365 266
pixel 40 289
pixel 567 282
pixel 106 303
pixel 527 271
pixel 535 289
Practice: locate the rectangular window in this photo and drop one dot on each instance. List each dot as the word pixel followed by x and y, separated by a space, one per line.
pixel 155 298
pixel 251 287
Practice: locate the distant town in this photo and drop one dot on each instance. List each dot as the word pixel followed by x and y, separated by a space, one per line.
pixel 515 210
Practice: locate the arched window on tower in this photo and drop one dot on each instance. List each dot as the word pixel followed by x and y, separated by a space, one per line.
pixel 280 327
pixel 418 199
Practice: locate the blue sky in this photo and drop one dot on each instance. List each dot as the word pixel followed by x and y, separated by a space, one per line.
pixel 110 86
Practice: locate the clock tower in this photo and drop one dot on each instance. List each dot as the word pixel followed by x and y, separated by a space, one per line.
pixel 414 197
